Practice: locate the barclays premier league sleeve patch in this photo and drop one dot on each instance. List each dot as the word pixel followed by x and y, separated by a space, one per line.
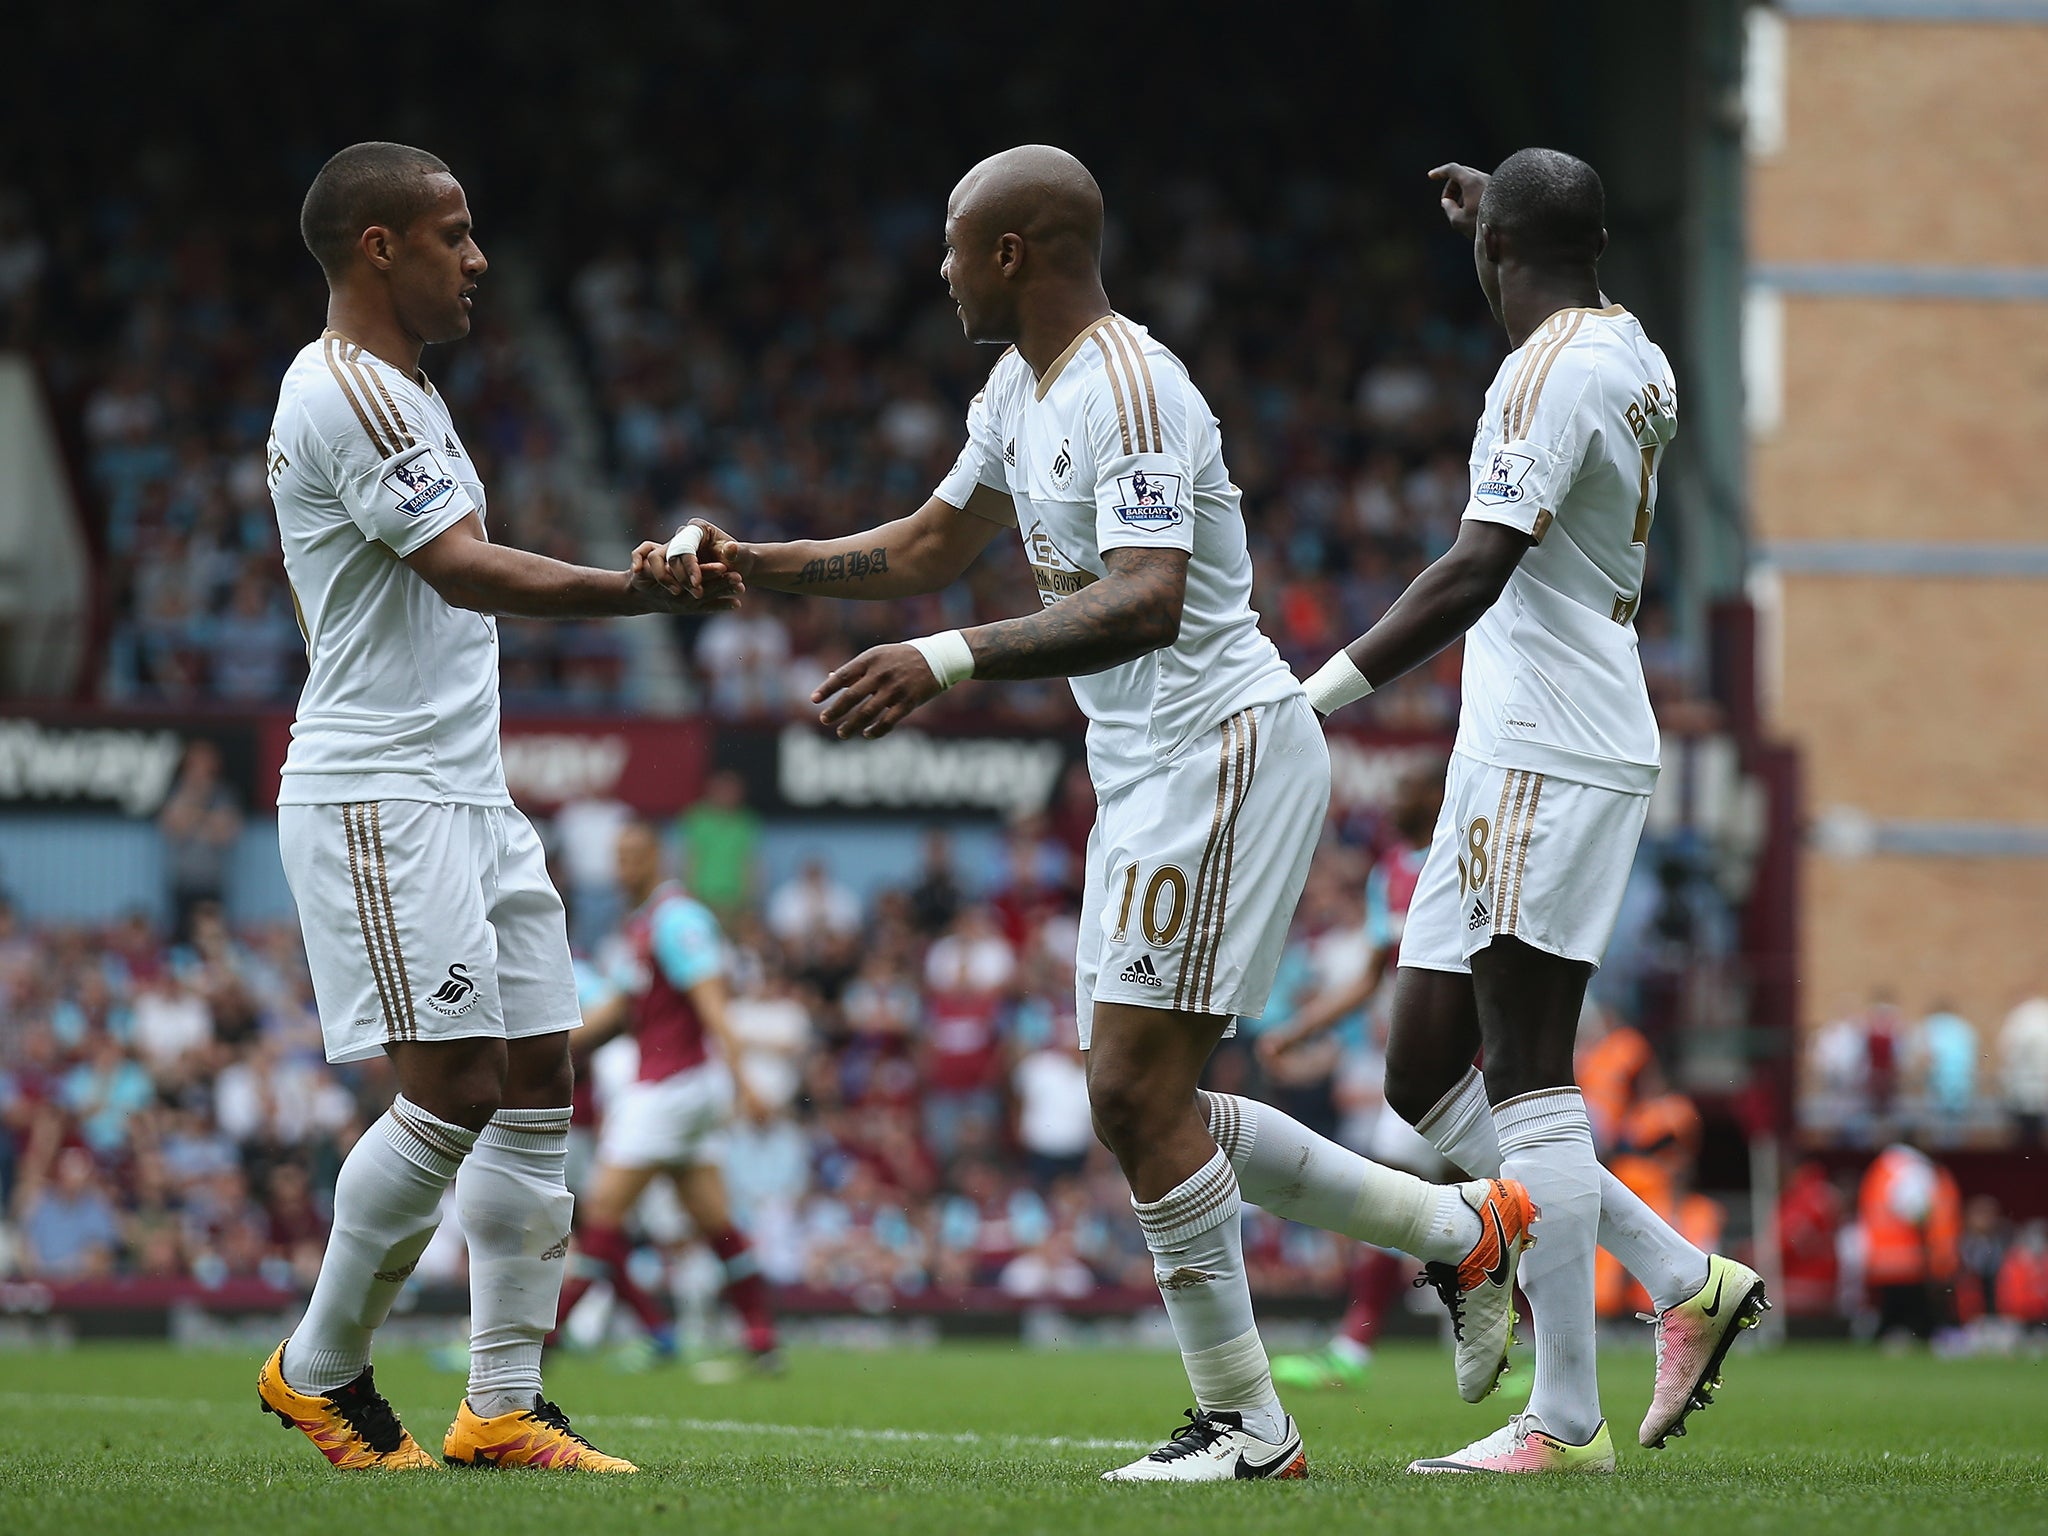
pixel 1501 483
pixel 1148 501
pixel 419 485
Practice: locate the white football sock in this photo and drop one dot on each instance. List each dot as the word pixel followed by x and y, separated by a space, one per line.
pixel 387 1203
pixel 515 1209
pixel 1647 1246
pixel 1546 1141
pixel 1284 1167
pixel 1198 1258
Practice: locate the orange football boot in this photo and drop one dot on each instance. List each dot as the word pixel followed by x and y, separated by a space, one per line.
pixel 539 1436
pixel 353 1425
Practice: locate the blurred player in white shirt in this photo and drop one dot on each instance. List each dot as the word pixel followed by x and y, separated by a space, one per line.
pixel 1544 803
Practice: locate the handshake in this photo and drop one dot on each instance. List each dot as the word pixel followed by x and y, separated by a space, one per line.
pixel 675 578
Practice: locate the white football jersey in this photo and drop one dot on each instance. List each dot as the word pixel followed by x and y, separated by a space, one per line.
pixel 1568 449
pixel 1115 448
pixel 401 695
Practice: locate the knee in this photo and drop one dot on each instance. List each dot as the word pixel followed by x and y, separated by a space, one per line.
pixel 460 1081
pixel 539 1073
pixel 1123 1111
pixel 1413 1089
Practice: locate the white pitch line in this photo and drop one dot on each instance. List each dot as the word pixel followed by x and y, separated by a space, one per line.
pixel 965 1437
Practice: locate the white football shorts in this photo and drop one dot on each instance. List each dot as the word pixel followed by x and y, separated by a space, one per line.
pixel 674 1122
pixel 1194 870
pixel 426 921
pixel 1526 855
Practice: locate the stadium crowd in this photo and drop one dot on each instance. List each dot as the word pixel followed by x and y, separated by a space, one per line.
pixel 165 1111
pixel 733 376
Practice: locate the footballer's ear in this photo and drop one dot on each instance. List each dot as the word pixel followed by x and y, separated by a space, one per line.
pixel 379 246
pixel 1010 255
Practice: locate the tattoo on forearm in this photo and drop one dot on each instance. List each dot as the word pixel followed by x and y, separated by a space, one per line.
pixel 857 566
pixel 1133 612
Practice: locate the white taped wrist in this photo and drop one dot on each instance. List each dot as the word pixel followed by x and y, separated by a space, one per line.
pixel 1337 682
pixel 948 656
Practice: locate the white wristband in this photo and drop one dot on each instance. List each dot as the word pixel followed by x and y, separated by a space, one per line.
pixel 1337 682
pixel 686 541
pixel 948 655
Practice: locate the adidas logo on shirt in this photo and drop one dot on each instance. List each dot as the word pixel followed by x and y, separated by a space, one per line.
pixel 1141 972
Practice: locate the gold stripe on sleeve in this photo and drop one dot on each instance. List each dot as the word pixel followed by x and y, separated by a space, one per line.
pixel 1123 421
pixel 329 349
pixel 1151 394
pixel 1525 417
pixel 370 387
pixel 1123 357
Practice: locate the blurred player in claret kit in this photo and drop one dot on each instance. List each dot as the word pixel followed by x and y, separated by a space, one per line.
pixel 671 997
pixel 1212 779
pixel 1376 1277
pixel 433 933
pixel 1544 802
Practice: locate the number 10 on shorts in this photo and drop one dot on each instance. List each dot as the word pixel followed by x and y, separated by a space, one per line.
pixel 1161 912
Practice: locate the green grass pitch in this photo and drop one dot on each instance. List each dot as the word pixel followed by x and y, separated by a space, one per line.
pixel 988 1439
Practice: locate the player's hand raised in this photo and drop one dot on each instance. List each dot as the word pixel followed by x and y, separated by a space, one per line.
pixel 1462 189
pixel 872 693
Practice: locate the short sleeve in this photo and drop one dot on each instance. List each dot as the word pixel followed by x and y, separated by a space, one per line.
pixel 1137 413
pixel 981 461
pixel 686 944
pixel 1539 443
pixel 387 471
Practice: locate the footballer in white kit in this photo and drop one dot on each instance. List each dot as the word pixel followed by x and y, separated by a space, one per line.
pixel 1556 753
pixel 1210 773
pixel 423 891
pixel 432 931
pixel 1544 803
pixel 1211 776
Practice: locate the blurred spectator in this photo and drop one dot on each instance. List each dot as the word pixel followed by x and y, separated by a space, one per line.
pixel 936 899
pixel 721 840
pixel 2023 1277
pixel 2023 1065
pixel 68 1226
pixel 813 909
pixel 1945 1053
pixel 1980 1253
pixel 200 823
pixel 1054 1124
pixel 1810 1218
pixel 967 976
pixel 1911 1216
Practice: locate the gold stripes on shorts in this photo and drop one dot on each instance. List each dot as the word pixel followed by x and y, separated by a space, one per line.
pixel 362 826
pixel 1237 760
pixel 1520 793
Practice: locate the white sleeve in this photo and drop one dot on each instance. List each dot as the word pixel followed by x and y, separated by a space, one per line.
pixel 1539 443
pixel 981 461
pixel 1137 417
pixel 386 470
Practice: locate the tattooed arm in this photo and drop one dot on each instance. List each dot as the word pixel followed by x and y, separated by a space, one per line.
pixel 923 552
pixel 1132 611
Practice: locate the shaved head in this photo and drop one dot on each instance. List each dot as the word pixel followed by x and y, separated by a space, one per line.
pixel 1038 192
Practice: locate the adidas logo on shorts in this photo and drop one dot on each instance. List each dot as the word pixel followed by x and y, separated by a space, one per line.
pixel 1478 917
pixel 1141 972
